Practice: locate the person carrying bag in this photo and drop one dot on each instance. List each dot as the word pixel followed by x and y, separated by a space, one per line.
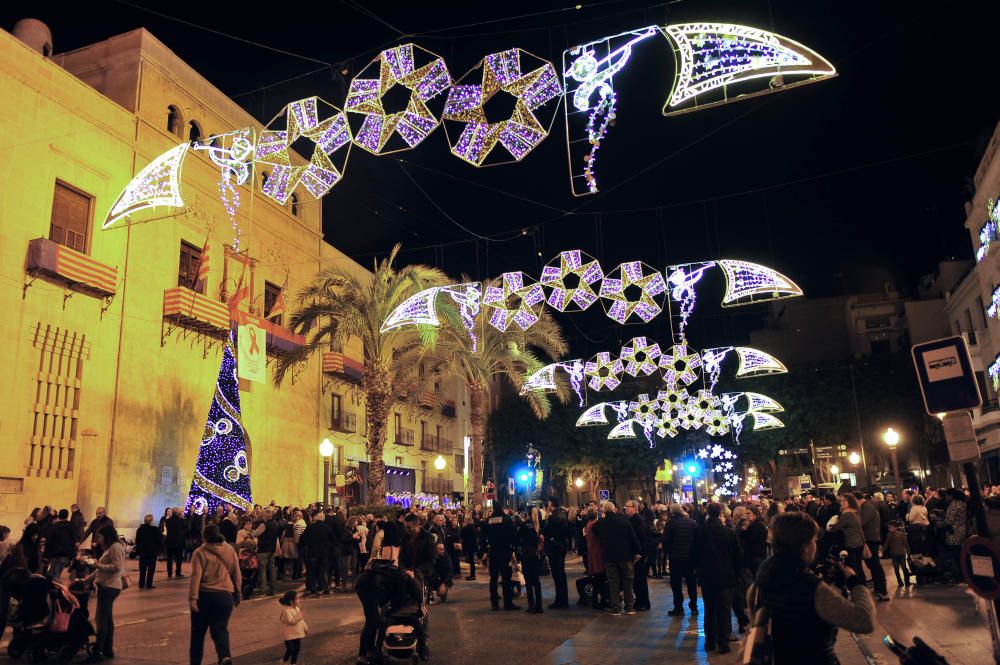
pixel 213 594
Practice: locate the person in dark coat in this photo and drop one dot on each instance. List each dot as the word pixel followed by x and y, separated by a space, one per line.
pixel 470 543
pixel 527 554
pixel 678 543
pixel 173 543
pixel 78 521
pixel 556 541
pixel 643 533
pixel 754 541
pixel 60 546
pixel 417 553
pixel 718 560
pixel 148 544
pixel 442 578
pixel 621 550
pixel 318 541
pixel 99 522
pixel 500 537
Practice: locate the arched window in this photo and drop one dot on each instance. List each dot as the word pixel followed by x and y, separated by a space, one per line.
pixel 295 204
pixel 174 121
pixel 194 131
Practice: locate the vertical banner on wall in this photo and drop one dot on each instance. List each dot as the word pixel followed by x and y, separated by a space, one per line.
pixel 253 357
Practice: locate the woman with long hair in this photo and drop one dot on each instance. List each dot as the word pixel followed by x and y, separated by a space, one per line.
pixel 849 525
pixel 108 579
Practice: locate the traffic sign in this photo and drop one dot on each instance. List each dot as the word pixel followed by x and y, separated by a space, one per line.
pixel 981 566
pixel 947 379
pixel 794 451
pixel 960 435
pixel 605 495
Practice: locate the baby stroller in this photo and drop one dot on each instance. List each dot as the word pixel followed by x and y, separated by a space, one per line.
pixel 49 618
pixel 925 569
pixel 249 571
pixel 399 630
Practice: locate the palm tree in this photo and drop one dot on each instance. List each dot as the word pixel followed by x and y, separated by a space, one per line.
pixel 339 305
pixel 511 356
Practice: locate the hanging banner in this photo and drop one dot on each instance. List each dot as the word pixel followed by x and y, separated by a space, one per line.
pixel 252 362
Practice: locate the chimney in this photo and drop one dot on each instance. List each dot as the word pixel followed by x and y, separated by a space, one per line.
pixel 35 34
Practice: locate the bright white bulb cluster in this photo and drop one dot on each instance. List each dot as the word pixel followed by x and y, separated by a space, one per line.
pixel 988 232
pixel 159 184
pixel 234 164
pixel 994 372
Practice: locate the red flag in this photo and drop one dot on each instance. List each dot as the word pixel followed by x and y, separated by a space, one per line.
pixel 279 303
pixel 238 296
pixel 201 275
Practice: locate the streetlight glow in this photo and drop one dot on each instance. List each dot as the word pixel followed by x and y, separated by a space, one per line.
pixel 326 448
pixel 854 458
pixel 578 482
pixel 439 463
pixel 835 471
pixel 891 438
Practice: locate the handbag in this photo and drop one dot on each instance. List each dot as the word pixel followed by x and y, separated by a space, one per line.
pixel 544 569
pixel 758 648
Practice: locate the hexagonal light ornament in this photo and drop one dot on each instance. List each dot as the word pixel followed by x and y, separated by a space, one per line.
pixel 569 281
pixel 702 402
pixel 513 300
pixel 691 420
pixel 673 402
pixel 716 422
pixel 644 410
pixel 640 357
pixel 603 372
pixel 619 305
pixel 680 364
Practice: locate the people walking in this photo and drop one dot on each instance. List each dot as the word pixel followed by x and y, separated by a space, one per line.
pixel 556 540
pixel 177 529
pixel 266 534
pixel 60 544
pixel 213 593
pixel 470 543
pixel 871 529
pixel 293 626
pixel 107 577
pixel 719 561
pixel 678 541
pixel 621 550
pixel 640 581
pixel 148 544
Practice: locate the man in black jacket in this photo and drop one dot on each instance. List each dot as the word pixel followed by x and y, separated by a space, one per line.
pixel 60 546
pixel 640 583
pixel 719 561
pixel 556 539
pixel 621 550
pixel 678 541
pixel 266 534
pixel 78 521
pixel 99 522
pixel 500 536
pixel 317 540
pixel 177 530
pixel 148 544
pixel 417 553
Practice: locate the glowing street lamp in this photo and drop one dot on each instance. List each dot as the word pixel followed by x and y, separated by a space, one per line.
pixel 854 458
pixel 834 471
pixel 439 463
pixel 326 451
pixel 891 438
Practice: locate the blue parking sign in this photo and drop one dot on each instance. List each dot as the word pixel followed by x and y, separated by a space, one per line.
pixel 605 495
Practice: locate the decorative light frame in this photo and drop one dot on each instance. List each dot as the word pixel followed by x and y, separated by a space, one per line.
pixel 158 184
pixel 763 421
pixel 603 361
pixel 650 352
pixel 748 283
pixel 530 295
pixel 421 308
pixel 682 280
pixel 571 262
pixel 593 416
pixel 754 362
pixel 633 273
pixel 690 360
pixel 644 410
pixel 622 430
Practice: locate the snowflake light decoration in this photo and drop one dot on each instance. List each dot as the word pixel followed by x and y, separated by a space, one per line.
pixel 667 425
pixel 594 415
pixel 690 420
pixel 159 184
pixel 618 286
pixel 994 307
pixel 519 134
pixel 397 66
pixel 569 281
pixel 711 56
pixel 623 430
pixel 716 422
pixel 754 362
pixel 751 282
pixel 765 421
pixel 679 364
pixel 513 300
pixel 603 372
pixel 644 410
pixel 331 139
pixel 640 357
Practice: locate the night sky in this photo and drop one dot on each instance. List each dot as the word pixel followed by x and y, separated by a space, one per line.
pixel 843 185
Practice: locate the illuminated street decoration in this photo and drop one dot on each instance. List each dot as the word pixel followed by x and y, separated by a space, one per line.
pixel 716 422
pixel 569 280
pixel 994 372
pixel 633 288
pixel 988 232
pixel 640 357
pixel 235 166
pixel 396 66
pixel 644 410
pixel 762 403
pixel 994 307
pixel 621 409
pixel 754 362
pixel 594 415
pixel 421 308
pixel 222 470
pixel 702 402
pixel 331 139
pixel 711 56
pixel 679 364
pixel 690 420
pixel 712 359
pixel 765 421
pixel 519 134
pixel 588 72
pixel 513 300
pixel 544 380
pixel 159 184
pixel 682 281
pixel 673 402
pixel 750 282
pixel 623 430
pixel 667 426
pixel 603 372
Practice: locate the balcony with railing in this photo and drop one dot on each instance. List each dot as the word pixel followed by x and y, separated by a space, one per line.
pixel 435 444
pixel 345 421
pixel 437 486
pixel 343 367
pixel 76 270
pixel 404 437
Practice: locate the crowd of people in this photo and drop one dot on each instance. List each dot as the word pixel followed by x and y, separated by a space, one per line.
pixel 803 559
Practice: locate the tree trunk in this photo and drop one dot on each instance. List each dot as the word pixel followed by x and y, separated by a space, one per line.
pixel 378 398
pixel 477 418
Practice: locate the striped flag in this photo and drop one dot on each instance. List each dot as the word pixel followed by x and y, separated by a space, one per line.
pixel 204 263
pixel 279 303
pixel 239 295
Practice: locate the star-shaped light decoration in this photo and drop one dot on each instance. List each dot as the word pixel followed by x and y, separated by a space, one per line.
pixel 690 420
pixel 570 280
pixel 603 372
pixel 703 453
pixel 396 66
pixel 702 402
pixel 523 130
pixel 644 410
pixel 679 364
pixel 513 300
pixel 331 138
pixel 667 425
pixel 718 451
pixel 673 402
pixel 618 286
pixel 716 422
pixel 640 357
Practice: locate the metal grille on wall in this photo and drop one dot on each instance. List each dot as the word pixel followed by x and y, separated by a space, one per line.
pixel 56 407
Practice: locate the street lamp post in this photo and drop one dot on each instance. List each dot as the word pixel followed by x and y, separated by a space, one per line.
pixel 579 483
pixel 891 437
pixel 326 450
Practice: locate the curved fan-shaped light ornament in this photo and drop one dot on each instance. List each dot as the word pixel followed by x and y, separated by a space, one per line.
pixel 762 403
pixel 640 357
pixel 421 308
pixel 513 299
pixel 751 282
pixel 397 66
pixel 615 290
pixel 544 380
pixel 594 415
pixel 159 184
pixel 680 364
pixel 569 280
pixel 711 56
pixel 603 372
pixel 754 362
pixel 765 421
pixel 623 430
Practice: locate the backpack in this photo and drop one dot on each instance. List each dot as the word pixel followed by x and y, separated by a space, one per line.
pixel 758 648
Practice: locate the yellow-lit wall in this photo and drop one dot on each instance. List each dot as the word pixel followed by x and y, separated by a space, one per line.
pixel 92 118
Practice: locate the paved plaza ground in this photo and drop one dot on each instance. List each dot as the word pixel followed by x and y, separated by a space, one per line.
pixel 153 627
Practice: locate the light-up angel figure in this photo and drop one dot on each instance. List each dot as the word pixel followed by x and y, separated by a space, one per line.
pixel 596 75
